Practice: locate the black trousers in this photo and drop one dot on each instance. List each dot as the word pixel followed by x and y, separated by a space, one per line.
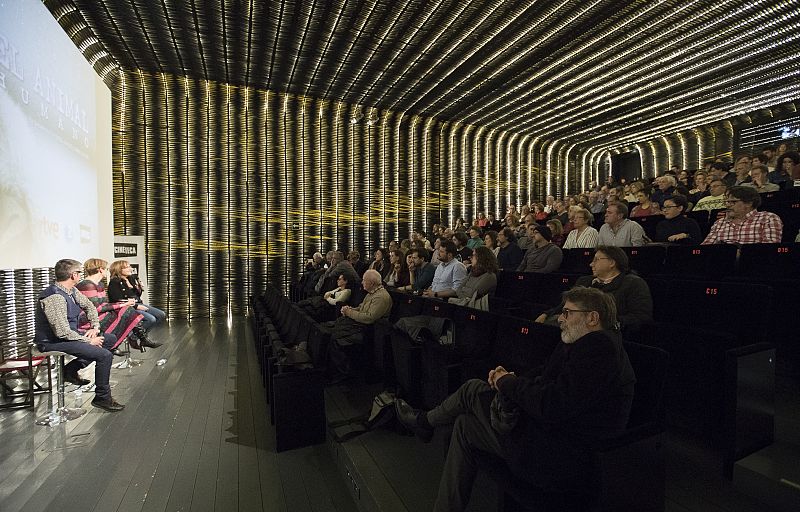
pixel 468 407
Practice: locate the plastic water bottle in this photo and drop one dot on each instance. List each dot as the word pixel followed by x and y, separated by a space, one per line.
pixel 55 418
pixel 161 362
pixel 78 396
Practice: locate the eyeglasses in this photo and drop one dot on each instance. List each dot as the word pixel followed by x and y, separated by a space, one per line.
pixel 567 311
pixel 670 206
pixel 732 201
pixel 598 258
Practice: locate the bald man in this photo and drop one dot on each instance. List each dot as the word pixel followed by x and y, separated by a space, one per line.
pixel 347 330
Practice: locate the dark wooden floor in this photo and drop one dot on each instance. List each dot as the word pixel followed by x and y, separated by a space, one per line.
pixel 194 435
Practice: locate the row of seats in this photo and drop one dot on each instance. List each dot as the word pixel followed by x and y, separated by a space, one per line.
pixel 293 380
pixel 705 261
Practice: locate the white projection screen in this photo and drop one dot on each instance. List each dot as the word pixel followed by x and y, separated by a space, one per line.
pixel 55 144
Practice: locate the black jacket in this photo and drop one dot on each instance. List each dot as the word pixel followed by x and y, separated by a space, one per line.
pixel 509 258
pixel 680 224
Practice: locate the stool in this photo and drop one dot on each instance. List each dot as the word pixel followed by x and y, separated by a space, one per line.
pixel 62 414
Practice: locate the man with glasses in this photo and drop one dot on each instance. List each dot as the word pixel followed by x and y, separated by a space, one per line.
pixel 743 223
pixel 583 395
pixel 618 230
pixel 716 200
pixel 611 274
pixel 57 312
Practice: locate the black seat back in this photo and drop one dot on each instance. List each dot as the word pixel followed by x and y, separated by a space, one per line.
pixel 650 366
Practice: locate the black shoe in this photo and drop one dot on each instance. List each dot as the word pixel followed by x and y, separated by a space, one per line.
pixel 410 418
pixel 147 342
pixel 74 379
pixel 120 352
pixel 108 404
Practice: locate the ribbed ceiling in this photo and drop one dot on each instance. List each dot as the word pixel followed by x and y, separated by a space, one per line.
pixel 589 72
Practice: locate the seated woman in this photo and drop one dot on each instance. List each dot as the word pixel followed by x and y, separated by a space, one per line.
pixel 399 275
pixel 118 318
pixel 482 277
pixel 124 285
pixel 583 235
pixel 381 262
pixel 490 241
pixel 646 206
pixel 322 308
pixel 558 231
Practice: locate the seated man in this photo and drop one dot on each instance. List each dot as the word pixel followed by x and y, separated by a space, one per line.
pixel 618 230
pixel 449 274
pixel 57 312
pixel 424 272
pixel 543 256
pixel 347 330
pixel 743 224
pixel 541 425
pixel 337 267
pixel 611 274
pixel 716 200
pixel 510 255
pixel 354 257
pixel 760 181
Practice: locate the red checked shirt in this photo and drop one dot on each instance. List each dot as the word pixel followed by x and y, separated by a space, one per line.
pixel 756 228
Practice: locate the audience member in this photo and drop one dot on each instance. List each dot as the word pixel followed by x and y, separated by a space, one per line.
pixel 381 262
pixel 561 214
pixel 509 254
pixel 347 330
pixel 539 215
pixel 557 229
pixel 316 262
pixel 481 221
pixel 583 235
pixel 646 206
pixel 490 241
pixel 741 170
pixel 549 204
pixel 449 275
pixel 771 156
pixel 611 274
pixel 583 395
pixel 124 286
pixel 482 276
pixel 463 253
pixel 56 329
pixel 354 257
pixel 721 171
pixel 475 238
pixel 399 276
pixel 321 307
pixel 336 267
pixel 665 187
pixel 700 189
pixel 117 318
pixel 423 271
pixel 760 180
pixel 743 224
pixel 716 198
pixel 544 256
pixel 676 226
pixel 618 230
pixel 782 175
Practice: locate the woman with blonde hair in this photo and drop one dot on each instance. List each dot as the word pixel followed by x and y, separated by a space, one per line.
pixel 120 318
pixel 124 286
pixel 582 235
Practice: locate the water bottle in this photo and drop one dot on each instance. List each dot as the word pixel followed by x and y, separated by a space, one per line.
pixel 161 362
pixel 55 418
pixel 78 396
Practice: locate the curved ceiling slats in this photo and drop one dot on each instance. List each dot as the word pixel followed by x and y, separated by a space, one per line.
pixel 594 72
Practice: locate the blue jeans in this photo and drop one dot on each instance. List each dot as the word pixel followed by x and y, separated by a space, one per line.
pixel 151 317
pixel 85 354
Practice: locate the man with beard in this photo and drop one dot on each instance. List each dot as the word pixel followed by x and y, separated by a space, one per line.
pixel 583 395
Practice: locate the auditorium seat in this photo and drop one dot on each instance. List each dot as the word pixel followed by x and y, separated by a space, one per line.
pixel 649 223
pixel 577 261
pixel 704 261
pixel 518 345
pixel 770 261
pixel 646 260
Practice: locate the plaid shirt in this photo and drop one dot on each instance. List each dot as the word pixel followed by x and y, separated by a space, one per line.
pixel 756 228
